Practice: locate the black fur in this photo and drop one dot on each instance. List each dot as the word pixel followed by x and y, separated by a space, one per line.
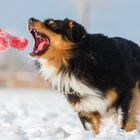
pixel 115 64
pixel 63 27
pixel 101 62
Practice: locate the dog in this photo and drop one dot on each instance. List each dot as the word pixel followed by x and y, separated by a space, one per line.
pixel 96 73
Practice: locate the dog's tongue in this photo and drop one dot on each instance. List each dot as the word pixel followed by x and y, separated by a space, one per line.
pixel 42 46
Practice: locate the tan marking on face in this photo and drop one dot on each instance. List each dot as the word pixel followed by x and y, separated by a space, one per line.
pixel 51 22
pixel 111 96
pixel 59 50
pixel 71 24
pixel 134 110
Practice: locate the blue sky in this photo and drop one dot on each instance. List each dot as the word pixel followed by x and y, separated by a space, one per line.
pixel 111 17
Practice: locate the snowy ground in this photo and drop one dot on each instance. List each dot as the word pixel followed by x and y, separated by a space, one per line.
pixel 44 115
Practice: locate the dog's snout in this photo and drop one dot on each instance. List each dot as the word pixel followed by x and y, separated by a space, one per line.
pixel 31 20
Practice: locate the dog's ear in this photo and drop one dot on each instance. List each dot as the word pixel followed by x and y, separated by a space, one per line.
pixel 74 31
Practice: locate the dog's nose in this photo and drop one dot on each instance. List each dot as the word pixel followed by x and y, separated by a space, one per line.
pixel 31 20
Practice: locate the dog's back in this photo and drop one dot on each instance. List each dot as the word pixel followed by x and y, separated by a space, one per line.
pixel 131 52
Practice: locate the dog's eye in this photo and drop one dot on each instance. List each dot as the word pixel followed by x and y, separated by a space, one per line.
pixel 52 23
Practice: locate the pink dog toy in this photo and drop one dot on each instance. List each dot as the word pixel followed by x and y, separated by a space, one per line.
pixel 7 40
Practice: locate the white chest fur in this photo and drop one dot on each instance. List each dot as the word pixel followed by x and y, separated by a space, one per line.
pixel 92 100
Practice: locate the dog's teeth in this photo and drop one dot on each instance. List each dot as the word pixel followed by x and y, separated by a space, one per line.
pixel 31 28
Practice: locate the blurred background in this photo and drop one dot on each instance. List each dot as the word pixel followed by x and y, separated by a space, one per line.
pixel 110 17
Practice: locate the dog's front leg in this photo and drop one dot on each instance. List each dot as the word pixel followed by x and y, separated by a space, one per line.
pixel 83 120
pixel 94 120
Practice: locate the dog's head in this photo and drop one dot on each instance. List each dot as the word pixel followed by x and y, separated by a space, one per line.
pixel 55 39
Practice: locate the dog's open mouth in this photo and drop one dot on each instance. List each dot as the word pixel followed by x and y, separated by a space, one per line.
pixel 41 42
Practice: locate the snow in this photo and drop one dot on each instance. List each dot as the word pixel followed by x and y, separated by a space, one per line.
pixel 46 115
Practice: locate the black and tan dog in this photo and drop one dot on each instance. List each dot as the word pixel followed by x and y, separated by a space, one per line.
pixel 94 72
